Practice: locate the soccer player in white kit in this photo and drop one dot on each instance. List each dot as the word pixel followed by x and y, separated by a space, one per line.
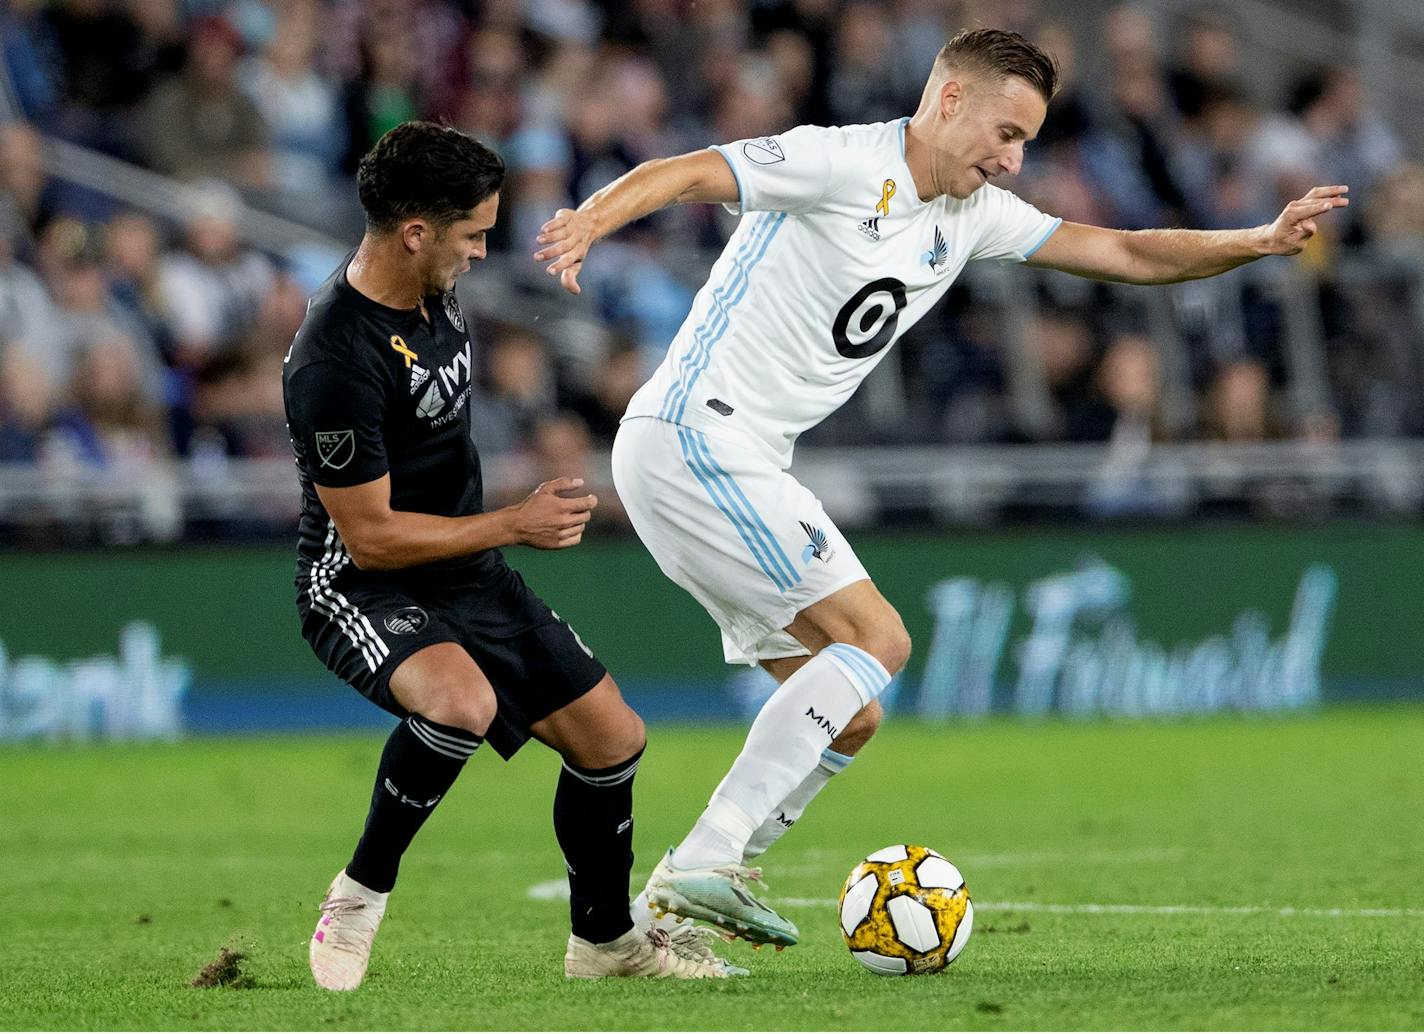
pixel 848 235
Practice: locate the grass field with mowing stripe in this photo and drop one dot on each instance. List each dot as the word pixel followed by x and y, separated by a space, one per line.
pixel 1232 873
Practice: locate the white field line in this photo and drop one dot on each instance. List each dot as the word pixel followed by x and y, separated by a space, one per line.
pixel 1160 910
pixel 558 890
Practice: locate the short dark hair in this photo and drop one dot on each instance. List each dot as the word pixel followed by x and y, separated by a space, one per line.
pixel 425 170
pixel 1000 53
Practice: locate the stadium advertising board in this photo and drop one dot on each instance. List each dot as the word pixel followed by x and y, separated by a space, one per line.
pixel 1031 622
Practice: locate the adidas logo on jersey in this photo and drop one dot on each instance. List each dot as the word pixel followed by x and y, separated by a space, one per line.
pixel 418 376
pixel 432 403
pixel 871 227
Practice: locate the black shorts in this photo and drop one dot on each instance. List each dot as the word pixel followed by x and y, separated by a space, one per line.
pixel 363 626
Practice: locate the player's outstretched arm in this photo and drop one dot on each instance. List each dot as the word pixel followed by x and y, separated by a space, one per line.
pixel 700 176
pixel 1170 256
pixel 382 539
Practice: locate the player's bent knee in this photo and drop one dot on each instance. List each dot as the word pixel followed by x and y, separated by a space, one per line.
pixel 633 737
pixel 889 645
pixel 464 706
pixel 627 738
pixel 898 649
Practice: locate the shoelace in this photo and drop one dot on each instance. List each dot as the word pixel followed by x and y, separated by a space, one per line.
pixel 684 949
pixel 695 942
pixel 744 876
pixel 341 935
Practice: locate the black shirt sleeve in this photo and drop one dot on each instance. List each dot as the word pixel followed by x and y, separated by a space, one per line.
pixel 335 415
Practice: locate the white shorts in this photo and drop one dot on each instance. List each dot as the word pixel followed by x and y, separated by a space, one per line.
pixel 747 539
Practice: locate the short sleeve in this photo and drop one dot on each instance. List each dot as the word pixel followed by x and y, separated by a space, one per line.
pixel 790 172
pixel 334 414
pixel 1011 228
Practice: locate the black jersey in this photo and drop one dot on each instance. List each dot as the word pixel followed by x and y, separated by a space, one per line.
pixel 371 390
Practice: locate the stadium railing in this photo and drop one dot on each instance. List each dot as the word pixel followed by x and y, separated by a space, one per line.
pixel 861 487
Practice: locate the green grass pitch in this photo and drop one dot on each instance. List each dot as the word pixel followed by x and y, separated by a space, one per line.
pixel 1232 873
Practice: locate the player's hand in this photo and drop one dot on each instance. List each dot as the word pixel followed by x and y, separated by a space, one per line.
pixel 566 239
pixel 548 520
pixel 1296 224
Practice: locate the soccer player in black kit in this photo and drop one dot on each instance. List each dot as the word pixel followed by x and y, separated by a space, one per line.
pixel 402 589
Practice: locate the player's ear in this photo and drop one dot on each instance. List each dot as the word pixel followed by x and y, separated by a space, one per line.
pixel 951 97
pixel 415 233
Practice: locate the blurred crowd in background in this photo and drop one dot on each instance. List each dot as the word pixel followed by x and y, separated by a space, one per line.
pixel 129 337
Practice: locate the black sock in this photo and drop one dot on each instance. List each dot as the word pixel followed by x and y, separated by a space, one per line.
pixel 419 764
pixel 593 819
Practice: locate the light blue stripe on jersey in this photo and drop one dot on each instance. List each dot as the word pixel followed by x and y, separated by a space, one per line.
pixel 723 500
pixel 778 556
pixel 674 394
pixel 1043 240
pixel 867 673
pixel 724 299
pixel 714 325
pixel 726 157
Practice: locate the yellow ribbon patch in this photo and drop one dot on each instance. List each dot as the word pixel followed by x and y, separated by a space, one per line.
pixel 400 346
pixel 887 191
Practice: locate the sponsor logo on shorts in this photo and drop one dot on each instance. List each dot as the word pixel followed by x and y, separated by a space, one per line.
pixel 818 548
pixel 335 449
pixel 407 621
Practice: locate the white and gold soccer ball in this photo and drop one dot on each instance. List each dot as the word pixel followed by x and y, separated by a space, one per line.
pixel 905 909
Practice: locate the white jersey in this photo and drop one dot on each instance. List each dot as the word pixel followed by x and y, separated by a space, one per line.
pixel 834 258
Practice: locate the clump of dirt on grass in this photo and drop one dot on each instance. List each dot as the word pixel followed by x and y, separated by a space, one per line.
pixel 223 971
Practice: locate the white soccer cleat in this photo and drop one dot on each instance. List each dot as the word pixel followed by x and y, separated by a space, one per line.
pixel 638 953
pixel 341 944
pixel 687 938
pixel 722 896
pixel 695 942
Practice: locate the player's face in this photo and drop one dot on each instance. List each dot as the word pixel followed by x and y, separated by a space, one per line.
pixel 458 245
pixel 985 135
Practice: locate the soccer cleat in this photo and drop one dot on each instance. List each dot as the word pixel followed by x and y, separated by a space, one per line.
pixel 638 953
pixel 695 942
pixel 719 896
pixel 341 946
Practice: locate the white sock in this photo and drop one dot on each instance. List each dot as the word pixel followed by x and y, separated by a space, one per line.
pixel 784 815
pixel 784 745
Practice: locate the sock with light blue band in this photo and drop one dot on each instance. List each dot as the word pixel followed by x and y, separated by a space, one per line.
pixel 866 674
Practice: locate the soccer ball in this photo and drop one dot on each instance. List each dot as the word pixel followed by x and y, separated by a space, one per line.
pixel 905 909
